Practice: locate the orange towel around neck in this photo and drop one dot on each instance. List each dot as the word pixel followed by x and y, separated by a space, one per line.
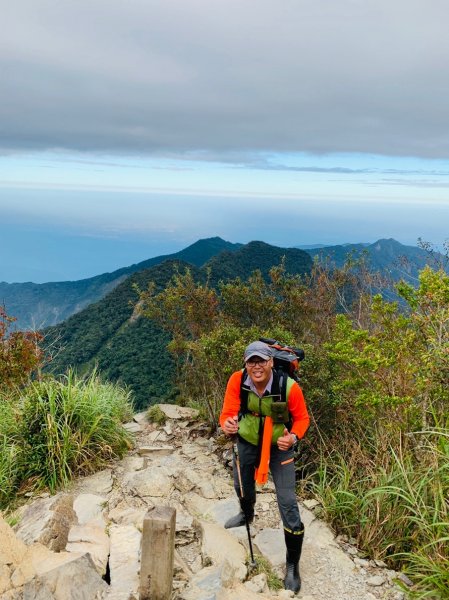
pixel 261 474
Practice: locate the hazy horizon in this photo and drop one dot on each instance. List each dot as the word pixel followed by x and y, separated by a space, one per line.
pixel 63 252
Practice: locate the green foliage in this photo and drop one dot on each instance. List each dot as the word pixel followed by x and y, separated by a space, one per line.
pixel 398 510
pixel 156 415
pixel 137 357
pixel 209 330
pixel 12 520
pixel 10 448
pixel 257 256
pixel 20 352
pixel 72 427
pixel 125 348
pixel 10 458
pixel 383 474
pixel 58 429
pixel 186 307
pixel 396 365
pixel 263 566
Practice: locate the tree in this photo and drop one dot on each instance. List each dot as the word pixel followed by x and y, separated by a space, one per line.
pixel 20 352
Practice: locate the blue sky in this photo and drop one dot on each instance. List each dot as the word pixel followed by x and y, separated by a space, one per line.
pixel 160 124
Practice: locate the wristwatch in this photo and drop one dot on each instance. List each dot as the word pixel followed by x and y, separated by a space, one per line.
pixel 296 438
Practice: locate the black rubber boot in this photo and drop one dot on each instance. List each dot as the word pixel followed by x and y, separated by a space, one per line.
pixel 293 541
pixel 247 507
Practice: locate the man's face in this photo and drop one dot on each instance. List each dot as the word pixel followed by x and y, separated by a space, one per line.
pixel 259 369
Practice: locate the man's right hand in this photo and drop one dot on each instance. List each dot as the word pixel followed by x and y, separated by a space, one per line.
pixel 231 425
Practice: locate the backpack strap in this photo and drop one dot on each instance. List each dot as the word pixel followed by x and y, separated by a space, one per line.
pixel 278 388
pixel 244 391
pixel 281 388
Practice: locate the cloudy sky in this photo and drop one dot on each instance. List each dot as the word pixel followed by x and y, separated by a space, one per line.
pixel 131 129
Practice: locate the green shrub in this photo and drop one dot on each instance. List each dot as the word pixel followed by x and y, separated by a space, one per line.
pixel 10 449
pixel 397 511
pixel 72 427
pixel 156 415
pixel 9 470
pixel 263 566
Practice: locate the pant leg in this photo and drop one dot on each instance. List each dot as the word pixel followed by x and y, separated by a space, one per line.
pixel 282 467
pixel 248 457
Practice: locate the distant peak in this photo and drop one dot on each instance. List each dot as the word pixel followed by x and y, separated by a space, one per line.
pixel 212 241
pixel 386 243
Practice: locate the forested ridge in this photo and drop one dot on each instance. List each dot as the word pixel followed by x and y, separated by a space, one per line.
pixel 37 305
pixel 387 256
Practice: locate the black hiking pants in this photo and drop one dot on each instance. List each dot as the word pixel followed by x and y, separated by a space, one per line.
pixel 282 468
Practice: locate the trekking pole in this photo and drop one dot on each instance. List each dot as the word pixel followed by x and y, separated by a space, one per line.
pixel 252 564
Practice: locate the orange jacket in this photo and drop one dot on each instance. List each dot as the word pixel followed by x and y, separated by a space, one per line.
pixel 296 405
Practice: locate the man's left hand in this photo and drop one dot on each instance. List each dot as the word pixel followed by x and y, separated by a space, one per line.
pixel 286 441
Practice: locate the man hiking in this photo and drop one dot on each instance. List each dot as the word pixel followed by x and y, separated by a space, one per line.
pixel 267 427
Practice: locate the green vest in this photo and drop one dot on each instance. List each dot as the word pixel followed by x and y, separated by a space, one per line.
pixel 249 423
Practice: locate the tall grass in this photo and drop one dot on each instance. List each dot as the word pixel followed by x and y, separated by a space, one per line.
pixel 64 428
pixel 9 469
pixel 10 450
pixel 398 511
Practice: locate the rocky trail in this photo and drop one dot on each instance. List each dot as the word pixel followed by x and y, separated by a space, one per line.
pixel 84 543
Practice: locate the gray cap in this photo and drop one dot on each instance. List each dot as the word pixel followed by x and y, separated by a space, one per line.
pixel 258 349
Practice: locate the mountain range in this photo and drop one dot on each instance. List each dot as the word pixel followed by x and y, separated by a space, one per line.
pixel 36 306
pixel 387 256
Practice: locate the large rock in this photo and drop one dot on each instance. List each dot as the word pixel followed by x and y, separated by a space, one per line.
pixel 133 427
pixel 15 594
pixel 317 531
pixel 141 418
pixel 153 451
pixel 124 514
pixel 74 580
pixel 205 585
pixel 5 579
pixel 91 539
pixel 37 560
pixel 12 550
pixel 48 522
pixel 89 509
pixel 271 544
pixel 173 411
pixel 197 505
pixel 154 481
pixel 223 510
pixel 257 584
pixel 132 463
pixel 124 561
pixel 219 546
pixel 99 483
pixel 190 479
pixel 242 592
